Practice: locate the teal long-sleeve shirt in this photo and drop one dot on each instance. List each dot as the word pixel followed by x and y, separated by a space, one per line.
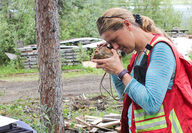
pixel 159 78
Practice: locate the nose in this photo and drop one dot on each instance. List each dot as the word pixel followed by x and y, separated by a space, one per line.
pixel 115 46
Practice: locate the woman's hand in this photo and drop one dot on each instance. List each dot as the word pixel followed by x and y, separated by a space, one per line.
pixel 112 65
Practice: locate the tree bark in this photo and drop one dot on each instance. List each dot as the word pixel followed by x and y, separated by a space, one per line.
pixel 49 65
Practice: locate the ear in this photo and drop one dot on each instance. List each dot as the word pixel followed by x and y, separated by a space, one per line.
pixel 128 25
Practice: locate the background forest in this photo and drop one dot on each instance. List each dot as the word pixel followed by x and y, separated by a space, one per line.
pixel 77 19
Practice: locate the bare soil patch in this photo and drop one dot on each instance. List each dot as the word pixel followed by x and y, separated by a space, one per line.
pixel 11 90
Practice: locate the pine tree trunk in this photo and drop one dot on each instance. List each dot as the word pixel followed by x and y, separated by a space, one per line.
pixel 49 64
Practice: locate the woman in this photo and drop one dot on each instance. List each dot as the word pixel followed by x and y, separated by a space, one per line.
pixel 156 90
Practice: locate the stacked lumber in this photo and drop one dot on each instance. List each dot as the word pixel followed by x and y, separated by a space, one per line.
pixel 68 56
pixel 69 50
pixel 109 123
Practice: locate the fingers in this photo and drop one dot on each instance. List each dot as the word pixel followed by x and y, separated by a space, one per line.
pixel 99 61
pixel 113 51
pixel 100 66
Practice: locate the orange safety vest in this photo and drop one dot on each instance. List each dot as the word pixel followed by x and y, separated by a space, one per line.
pixel 175 114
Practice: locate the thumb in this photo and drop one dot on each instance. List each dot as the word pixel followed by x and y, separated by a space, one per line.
pixel 114 52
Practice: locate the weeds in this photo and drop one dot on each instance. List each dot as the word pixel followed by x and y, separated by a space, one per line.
pixel 28 110
pixel 10 69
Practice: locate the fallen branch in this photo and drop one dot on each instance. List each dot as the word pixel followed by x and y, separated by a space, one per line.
pixel 112 115
pixel 91 125
pixel 109 119
pixel 118 129
pixel 109 124
pixel 68 124
pixel 82 121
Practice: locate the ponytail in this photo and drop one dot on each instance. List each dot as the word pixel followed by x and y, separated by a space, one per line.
pixel 148 25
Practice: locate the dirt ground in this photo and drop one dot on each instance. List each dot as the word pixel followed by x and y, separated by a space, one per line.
pixel 88 84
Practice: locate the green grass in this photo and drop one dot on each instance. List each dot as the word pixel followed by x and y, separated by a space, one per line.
pixel 126 60
pixel 24 110
pixel 10 70
pixel 21 75
pixel 10 73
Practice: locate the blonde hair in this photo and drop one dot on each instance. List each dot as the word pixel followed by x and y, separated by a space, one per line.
pixel 112 19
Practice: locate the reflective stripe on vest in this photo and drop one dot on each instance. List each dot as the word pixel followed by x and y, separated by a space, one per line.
pixel 142 115
pixel 157 40
pixel 144 123
pixel 176 127
pixel 161 39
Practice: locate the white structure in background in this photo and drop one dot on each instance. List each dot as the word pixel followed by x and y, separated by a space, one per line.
pixel 184 45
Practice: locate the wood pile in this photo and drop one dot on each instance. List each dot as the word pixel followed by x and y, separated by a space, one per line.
pixel 29 56
pixel 78 114
pixel 109 123
pixel 69 50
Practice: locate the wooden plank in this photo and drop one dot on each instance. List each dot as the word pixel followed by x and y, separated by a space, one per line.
pixel 70 64
pixel 31 59
pixel 29 54
pixel 96 121
pixel 69 57
pixel 109 124
pixel 104 128
pixel 30 66
pixel 112 132
pixel 69 61
pixel 94 130
pixel 69 54
pixel 67 50
pixel 24 49
pixel 30 63
pixel 118 129
pixel 112 115
pixel 68 124
pixel 91 117
pixel 109 119
pixel 82 121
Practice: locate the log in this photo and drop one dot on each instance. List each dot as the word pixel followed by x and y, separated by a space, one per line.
pixel 109 124
pixel 94 130
pixel 83 122
pixel 95 122
pixel 91 125
pixel 102 128
pixel 109 120
pixel 118 129
pixel 91 117
pixel 112 115
pixel 68 124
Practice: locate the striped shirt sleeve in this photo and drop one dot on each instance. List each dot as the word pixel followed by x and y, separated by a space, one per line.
pixel 158 77
pixel 119 86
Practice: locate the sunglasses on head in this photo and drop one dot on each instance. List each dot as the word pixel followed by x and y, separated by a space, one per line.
pixel 100 19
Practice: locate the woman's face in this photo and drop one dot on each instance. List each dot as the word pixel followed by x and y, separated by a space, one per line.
pixel 122 39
